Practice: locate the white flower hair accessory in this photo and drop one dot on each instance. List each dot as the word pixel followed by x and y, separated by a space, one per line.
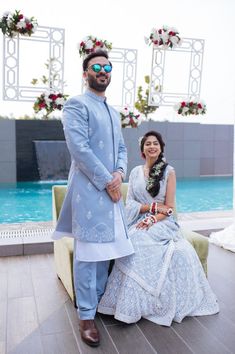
pixel 140 139
pixel 90 44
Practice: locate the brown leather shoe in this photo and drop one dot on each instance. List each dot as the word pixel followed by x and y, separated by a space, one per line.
pixel 89 332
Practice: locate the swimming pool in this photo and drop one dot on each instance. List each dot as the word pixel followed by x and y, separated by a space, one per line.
pixel 31 201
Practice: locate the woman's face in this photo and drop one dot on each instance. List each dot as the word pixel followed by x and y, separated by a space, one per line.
pixel 152 148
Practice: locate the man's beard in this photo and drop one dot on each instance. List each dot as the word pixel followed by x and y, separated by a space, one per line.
pixel 100 87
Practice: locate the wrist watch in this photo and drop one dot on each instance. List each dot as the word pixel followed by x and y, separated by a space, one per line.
pixel 120 170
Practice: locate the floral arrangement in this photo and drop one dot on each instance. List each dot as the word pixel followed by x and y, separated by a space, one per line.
pixel 191 107
pixel 129 118
pixel 90 44
pixel 49 102
pixel 165 37
pixel 16 23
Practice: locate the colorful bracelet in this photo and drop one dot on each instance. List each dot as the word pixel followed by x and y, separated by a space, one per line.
pixel 165 211
pixel 153 208
pixel 150 220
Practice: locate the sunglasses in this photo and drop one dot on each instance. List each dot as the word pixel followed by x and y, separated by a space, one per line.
pixel 97 68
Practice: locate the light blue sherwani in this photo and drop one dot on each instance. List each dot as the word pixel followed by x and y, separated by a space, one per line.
pixel 94 138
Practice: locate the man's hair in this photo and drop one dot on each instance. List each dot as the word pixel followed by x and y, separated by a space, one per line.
pixel 98 53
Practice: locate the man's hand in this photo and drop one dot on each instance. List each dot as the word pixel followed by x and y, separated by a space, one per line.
pixel 115 195
pixel 114 187
pixel 116 182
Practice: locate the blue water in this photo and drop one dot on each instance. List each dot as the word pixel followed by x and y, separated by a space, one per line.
pixel 31 201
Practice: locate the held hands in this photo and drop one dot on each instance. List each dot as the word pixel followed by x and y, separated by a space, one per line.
pixel 114 187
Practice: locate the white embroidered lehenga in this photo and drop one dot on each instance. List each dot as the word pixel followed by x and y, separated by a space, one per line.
pixel 163 281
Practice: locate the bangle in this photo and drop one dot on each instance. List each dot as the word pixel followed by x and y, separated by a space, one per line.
pixel 153 208
pixel 165 211
pixel 150 220
pixel 169 211
pixel 153 219
pixel 121 173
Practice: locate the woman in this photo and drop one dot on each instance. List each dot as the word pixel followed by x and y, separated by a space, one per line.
pixel 163 281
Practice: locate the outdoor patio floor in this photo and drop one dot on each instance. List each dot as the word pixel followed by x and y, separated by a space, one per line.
pixel 36 315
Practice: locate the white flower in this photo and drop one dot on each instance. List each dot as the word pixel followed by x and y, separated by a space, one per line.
pixel 174 40
pixel 173 29
pixel 9 21
pixel 164 37
pixel 139 121
pixel 59 101
pixel 177 106
pixel 6 14
pixel 203 103
pixel 185 110
pixel 125 111
pixel 21 24
pixel 156 36
pixel 126 121
pixel 89 44
pixel 47 100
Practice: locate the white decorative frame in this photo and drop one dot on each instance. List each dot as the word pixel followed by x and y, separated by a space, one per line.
pixel 128 57
pixel 190 46
pixel 12 90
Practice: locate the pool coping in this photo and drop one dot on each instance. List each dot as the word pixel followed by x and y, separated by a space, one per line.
pixel 35 237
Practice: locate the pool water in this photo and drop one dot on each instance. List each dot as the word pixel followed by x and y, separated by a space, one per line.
pixel 31 201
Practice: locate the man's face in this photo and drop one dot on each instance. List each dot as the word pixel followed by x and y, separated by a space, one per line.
pixel 98 81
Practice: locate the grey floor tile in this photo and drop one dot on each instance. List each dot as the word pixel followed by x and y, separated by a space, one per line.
pixel 20 285
pixel 63 343
pixel 129 339
pixel 3 286
pixel 31 344
pixel 52 317
pixel 21 321
pixel 3 321
pixel 163 339
pixel 2 347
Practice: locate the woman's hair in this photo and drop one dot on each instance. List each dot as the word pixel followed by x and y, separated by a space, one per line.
pixel 154 178
pixel 98 53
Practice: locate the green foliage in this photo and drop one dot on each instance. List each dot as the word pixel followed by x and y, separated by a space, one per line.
pixel 52 75
pixel 142 103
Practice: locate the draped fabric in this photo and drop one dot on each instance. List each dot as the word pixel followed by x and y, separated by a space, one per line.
pixel 163 280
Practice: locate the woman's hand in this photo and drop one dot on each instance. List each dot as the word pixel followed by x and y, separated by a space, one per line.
pixel 147 222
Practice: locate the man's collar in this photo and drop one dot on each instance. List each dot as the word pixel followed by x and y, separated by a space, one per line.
pixel 96 97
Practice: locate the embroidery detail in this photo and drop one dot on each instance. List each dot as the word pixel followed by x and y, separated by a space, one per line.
pixel 89 215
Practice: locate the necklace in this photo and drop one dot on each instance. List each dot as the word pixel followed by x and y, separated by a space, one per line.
pixel 146 171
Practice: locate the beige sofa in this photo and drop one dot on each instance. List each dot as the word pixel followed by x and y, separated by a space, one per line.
pixel 63 248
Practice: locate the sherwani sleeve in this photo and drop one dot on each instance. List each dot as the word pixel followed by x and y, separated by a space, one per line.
pixel 132 206
pixel 122 156
pixel 75 122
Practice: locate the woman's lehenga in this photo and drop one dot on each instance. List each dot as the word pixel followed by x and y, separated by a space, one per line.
pixel 163 281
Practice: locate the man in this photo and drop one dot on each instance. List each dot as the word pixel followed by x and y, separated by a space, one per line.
pixel 92 211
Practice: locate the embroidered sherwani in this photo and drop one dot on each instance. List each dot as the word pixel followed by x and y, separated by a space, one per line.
pixel 94 138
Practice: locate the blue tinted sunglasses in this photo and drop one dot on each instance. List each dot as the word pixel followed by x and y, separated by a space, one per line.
pixel 97 68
